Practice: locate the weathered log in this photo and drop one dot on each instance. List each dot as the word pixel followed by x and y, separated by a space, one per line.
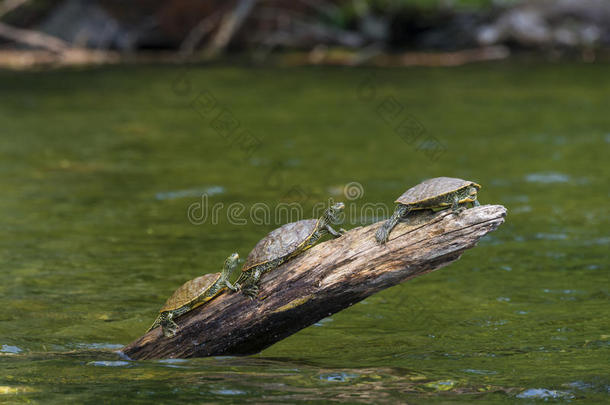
pixel 326 279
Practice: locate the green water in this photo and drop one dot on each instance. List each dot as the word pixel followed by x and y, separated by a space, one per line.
pixel 98 169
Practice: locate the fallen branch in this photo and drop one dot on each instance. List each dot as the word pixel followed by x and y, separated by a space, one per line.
pixel 326 279
pixel 9 5
pixel 194 37
pixel 229 25
pixel 34 39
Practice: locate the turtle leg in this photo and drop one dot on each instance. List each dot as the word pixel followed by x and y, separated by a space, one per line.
pixel 170 328
pixel 455 206
pixel 241 280
pixel 383 233
pixel 232 287
pixel 334 233
pixel 476 203
pixel 250 290
pixel 250 286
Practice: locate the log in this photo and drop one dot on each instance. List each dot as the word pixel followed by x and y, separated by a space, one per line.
pixel 327 278
pixel 9 5
pixel 229 26
pixel 33 38
pixel 194 37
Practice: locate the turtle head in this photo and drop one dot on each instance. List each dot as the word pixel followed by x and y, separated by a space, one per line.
pixel 230 265
pixel 473 190
pixel 333 213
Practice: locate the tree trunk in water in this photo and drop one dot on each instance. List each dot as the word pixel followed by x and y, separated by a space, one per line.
pixel 325 279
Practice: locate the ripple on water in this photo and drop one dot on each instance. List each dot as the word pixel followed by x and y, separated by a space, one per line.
pixel 521 198
pixel 551 236
pixel 521 209
pixel 337 377
pixel 229 392
pixel 10 349
pixel 173 363
pixel 323 321
pixel 565 291
pixel 193 192
pixel 99 346
pixel 9 390
pixel 542 393
pixel 480 372
pixel 102 363
pixel 547 178
pixel 598 241
pixel 441 385
pixel 589 386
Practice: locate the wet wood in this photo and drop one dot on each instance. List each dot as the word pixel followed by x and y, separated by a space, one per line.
pixel 326 279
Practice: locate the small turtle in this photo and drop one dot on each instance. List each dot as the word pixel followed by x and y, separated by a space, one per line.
pixel 435 194
pixel 284 243
pixel 194 293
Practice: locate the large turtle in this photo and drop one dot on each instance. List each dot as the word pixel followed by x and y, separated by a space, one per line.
pixel 194 293
pixel 435 194
pixel 284 243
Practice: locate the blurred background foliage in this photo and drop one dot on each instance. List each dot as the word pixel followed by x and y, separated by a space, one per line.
pixel 347 32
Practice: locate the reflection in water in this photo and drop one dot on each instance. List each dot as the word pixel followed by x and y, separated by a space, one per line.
pixel 213 378
pixel 10 349
pixel 541 393
pixel 547 178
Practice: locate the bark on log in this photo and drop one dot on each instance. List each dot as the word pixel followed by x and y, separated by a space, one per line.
pixel 326 279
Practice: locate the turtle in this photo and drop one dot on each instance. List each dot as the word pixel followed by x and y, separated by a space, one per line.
pixel 194 293
pixel 436 194
pixel 283 244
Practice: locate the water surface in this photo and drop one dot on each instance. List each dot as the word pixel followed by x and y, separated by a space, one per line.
pixel 99 167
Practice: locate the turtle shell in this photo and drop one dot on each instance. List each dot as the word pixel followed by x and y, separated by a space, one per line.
pixel 432 188
pixel 189 291
pixel 280 242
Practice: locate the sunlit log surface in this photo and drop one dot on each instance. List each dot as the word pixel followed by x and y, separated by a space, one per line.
pixel 326 279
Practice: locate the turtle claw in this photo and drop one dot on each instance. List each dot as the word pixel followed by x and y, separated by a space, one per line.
pixel 170 332
pixel 381 235
pixel 170 329
pixel 250 291
pixel 459 210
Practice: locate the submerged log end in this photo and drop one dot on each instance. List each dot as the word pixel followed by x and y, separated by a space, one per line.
pixel 326 279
